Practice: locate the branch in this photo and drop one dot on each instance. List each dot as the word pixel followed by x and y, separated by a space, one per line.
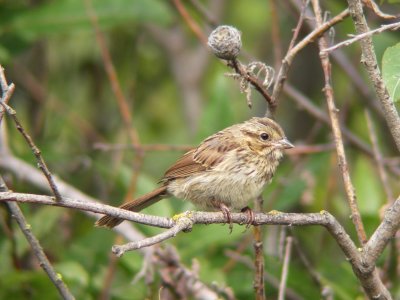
pixel 358 259
pixel 393 26
pixel 89 206
pixel 371 64
pixel 183 224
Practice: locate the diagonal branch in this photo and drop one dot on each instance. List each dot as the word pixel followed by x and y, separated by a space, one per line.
pixel 393 26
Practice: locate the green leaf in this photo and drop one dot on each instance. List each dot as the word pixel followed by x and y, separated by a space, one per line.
pixel 391 71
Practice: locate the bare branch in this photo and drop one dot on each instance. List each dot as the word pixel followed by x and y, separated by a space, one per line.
pixel 182 224
pixel 393 26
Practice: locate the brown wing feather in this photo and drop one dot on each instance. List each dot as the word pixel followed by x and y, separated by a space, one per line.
pixel 206 156
pixel 185 166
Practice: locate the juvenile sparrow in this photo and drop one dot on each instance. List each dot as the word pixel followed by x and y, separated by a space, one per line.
pixel 225 172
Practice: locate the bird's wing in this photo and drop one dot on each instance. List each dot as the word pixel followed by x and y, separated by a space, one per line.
pixel 206 156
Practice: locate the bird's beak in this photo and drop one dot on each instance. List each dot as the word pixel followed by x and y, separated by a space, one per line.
pixel 284 144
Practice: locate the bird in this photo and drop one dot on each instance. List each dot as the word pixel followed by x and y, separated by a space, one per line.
pixel 224 173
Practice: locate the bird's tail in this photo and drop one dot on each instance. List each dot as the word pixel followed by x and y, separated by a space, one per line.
pixel 135 205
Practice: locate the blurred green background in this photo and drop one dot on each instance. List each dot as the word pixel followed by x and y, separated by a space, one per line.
pixel 177 95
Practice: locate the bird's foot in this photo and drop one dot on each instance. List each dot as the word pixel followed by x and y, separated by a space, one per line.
pixel 250 216
pixel 227 214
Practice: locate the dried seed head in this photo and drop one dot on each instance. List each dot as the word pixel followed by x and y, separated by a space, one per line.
pixel 225 42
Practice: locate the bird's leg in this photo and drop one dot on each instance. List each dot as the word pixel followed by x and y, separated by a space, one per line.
pixel 250 216
pixel 226 212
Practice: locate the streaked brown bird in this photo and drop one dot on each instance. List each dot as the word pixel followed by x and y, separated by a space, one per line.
pixel 225 172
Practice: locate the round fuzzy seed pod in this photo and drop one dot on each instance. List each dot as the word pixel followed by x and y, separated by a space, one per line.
pixel 225 42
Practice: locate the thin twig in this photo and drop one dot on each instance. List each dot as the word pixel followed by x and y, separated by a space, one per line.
pixel 285 268
pixel 37 249
pixel 183 224
pixel 372 66
pixel 393 26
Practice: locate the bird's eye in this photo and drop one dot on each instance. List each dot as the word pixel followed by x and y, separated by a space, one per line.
pixel 264 136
